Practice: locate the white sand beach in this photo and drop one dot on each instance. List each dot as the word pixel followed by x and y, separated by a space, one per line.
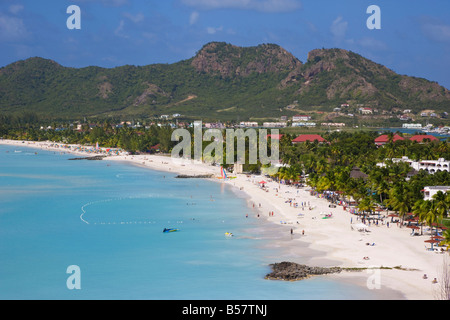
pixel 404 257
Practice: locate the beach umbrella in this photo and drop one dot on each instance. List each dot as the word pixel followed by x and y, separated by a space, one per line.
pixel 262 182
pixel 432 242
pixel 413 227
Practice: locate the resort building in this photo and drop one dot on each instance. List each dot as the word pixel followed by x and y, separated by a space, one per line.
pixel 412 126
pixel 301 118
pixel 303 124
pixel 275 136
pixel 421 137
pixel 308 137
pixel 404 117
pixel 274 124
pixel 429 192
pixel 248 124
pixel 214 125
pixel 366 110
pixel 431 166
pixel 333 124
pixel 383 139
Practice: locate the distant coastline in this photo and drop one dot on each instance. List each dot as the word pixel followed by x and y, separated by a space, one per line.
pixel 413 131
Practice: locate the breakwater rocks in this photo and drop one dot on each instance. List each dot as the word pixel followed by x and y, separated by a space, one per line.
pixel 291 271
pixel 89 158
pixel 200 176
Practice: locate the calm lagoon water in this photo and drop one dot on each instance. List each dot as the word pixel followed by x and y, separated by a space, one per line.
pixel 107 218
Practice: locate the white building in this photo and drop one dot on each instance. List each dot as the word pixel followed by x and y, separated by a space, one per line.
pixel 412 126
pixel 246 124
pixel 431 166
pixel 304 124
pixel 333 124
pixel 429 192
pixel 274 124
pixel 301 118
pixel 366 110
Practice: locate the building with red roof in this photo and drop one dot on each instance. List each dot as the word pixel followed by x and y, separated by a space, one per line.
pixel 274 136
pixel 383 139
pixel 308 137
pixel 421 137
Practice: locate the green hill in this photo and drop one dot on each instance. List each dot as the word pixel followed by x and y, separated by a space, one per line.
pixel 221 81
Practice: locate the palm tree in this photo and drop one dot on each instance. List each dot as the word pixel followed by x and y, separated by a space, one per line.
pixel 441 204
pixel 446 240
pixel 423 210
pixel 366 205
pixel 400 198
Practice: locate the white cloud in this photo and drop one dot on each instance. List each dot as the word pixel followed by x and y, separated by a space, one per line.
pixel 212 30
pixel 194 17
pixel 15 8
pixel 435 29
pixel 12 28
pixel 339 28
pixel 139 17
pixel 257 5
pixel 120 30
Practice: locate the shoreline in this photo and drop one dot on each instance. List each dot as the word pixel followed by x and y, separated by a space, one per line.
pixel 326 242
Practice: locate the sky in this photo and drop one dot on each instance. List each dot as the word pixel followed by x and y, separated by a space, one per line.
pixel 414 38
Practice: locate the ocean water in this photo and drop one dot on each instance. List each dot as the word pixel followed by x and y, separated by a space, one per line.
pixel 107 218
pixel 441 137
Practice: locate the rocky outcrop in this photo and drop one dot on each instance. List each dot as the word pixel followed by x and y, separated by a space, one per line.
pixel 291 271
pixel 151 91
pixel 229 60
pixel 89 158
pixel 199 176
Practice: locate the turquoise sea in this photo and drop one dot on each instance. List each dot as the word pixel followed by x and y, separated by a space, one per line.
pixel 107 218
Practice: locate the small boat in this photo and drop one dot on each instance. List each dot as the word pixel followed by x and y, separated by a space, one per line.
pixel 170 230
pixel 228 234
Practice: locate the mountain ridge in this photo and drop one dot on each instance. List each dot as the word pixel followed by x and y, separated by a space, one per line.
pixel 246 81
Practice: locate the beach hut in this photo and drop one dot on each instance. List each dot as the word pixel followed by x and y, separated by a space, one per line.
pixel 356 173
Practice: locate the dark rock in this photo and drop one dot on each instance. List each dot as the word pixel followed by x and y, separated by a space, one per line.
pixel 293 272
pixel 89 158
pixel 200 176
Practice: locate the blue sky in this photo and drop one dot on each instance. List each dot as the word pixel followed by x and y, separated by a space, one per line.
pixel 414 38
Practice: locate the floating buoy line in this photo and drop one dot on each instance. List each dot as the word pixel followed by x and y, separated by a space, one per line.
pixel 85 206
